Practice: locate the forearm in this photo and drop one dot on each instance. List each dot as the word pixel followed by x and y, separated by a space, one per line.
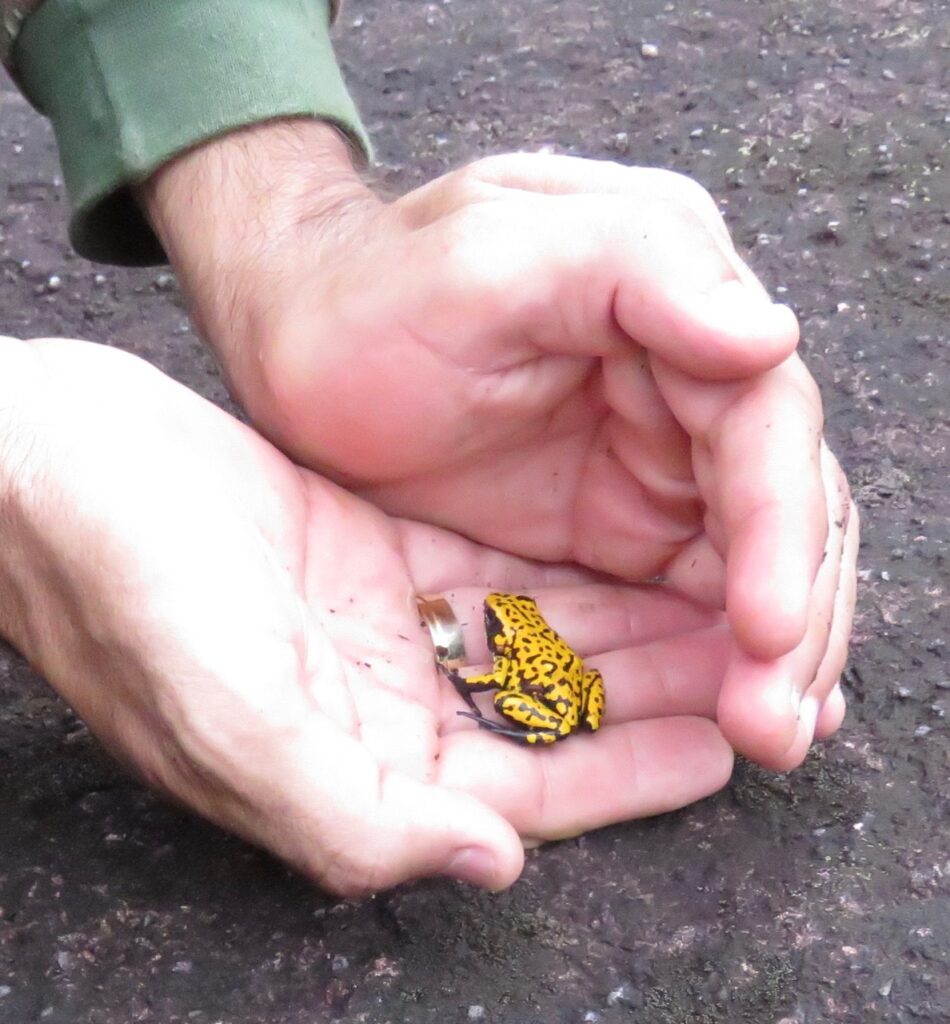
pixel 251 183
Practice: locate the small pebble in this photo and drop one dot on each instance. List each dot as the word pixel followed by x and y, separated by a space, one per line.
pixel 625 995
pixel 921 731
pixel 649 50
pixel 5 990
pixel 888 75
pixel 476 1012
pixel 54 282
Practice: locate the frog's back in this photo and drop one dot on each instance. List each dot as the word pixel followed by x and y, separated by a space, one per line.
pixel 519 615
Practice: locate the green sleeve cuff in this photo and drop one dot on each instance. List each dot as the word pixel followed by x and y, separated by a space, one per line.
pixel 128 84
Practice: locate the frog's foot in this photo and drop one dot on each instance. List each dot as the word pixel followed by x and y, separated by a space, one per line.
pixel 529 737
pixel 461 686
pixel 595 700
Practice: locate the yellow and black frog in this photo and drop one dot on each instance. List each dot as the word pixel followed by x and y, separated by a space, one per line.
pixel 543 687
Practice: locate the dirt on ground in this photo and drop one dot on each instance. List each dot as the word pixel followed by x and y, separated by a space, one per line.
pixel 820 896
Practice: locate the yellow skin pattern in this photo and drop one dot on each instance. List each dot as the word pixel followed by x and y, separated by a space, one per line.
pixel 542 685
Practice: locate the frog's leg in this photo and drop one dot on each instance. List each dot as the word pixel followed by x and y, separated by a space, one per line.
pixel 467 685
pixel 595 700
pixel 539 723
pixel 530 737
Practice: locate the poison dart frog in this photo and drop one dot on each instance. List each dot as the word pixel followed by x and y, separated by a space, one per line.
pixel 544 692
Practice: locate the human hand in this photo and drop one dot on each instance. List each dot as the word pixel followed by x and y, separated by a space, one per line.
pixel 562 358
pixel 245 635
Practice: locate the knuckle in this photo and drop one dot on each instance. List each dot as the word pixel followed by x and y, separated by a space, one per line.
pixel 692 194
pixel 476 180
pixel 690 201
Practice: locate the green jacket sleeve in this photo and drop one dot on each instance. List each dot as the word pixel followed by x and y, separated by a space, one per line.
pixel 128 84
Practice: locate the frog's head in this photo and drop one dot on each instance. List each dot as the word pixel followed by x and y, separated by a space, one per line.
pixel 495 619
pixel 503 613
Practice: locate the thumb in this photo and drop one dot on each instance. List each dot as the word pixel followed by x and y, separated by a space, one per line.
pixel 357 827
pixel 429 830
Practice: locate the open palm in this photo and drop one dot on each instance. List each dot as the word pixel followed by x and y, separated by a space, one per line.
pixel 245 634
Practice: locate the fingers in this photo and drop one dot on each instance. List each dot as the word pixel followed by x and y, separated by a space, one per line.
pixel 769 709
pixel 822 707
pixel 719 329
pixel 638 249
pixel 831 714
pixel 756 456
pixel 678 675
pixel 592 618
pixel 772 505
pixel 699 572
pixel 622 772
pixel 826 688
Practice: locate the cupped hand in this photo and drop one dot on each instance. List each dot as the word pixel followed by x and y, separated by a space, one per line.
pixel 562 358
pixel 245 634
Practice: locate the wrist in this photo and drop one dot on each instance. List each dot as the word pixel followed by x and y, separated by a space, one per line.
pixel 230 213
pixel 244 189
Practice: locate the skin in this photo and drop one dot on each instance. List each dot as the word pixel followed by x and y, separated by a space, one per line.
pixel 564 359
pixel 244 634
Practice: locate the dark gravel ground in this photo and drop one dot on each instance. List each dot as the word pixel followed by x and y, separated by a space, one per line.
pixel 819 896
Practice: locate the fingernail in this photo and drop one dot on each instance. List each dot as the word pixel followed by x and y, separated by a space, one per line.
pixel 808 713
pixel 474 865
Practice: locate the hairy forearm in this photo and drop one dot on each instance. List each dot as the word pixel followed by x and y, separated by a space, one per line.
pixel 248 181
pixel 221 208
